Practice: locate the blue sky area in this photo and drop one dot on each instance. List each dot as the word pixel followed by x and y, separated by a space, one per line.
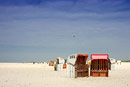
pixel 40 30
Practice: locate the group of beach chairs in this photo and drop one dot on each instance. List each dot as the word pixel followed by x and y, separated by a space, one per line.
pixel 77 65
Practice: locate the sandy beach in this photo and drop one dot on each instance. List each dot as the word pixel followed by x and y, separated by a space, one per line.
pixel 42 75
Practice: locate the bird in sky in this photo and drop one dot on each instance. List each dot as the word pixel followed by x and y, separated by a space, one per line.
pixel 73 35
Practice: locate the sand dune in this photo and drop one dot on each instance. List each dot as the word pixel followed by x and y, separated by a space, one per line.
pixel 42 75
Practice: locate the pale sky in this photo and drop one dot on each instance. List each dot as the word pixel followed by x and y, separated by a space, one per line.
pixel 41 30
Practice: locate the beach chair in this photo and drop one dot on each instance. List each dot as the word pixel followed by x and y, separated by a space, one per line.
pixel 76 65
pixel 99 65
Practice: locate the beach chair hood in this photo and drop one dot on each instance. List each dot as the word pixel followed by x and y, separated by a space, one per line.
pixel 99 56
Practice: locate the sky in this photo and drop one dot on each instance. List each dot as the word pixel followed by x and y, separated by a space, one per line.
pixel 41 30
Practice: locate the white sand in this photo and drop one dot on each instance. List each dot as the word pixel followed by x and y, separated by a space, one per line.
pixel 41 75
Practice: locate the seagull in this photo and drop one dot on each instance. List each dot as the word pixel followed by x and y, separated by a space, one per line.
pixel 73 35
